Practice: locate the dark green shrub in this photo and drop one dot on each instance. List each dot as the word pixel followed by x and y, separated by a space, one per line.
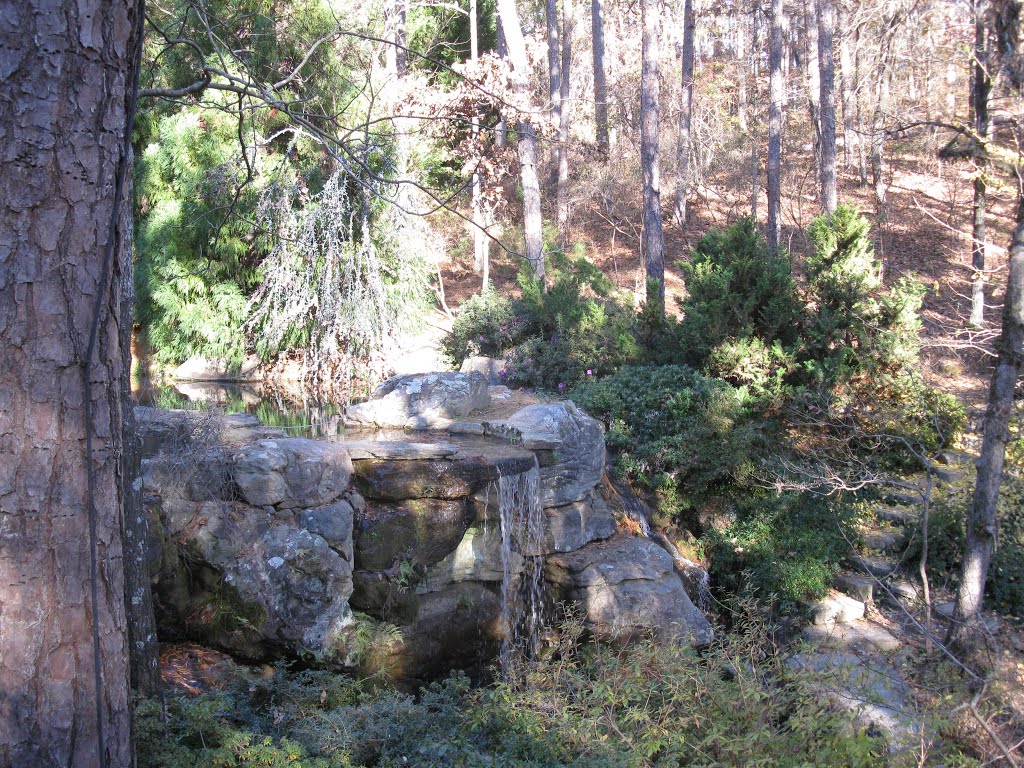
pixel 855 326
pixel 551 337
pixel 736 290
pixel 675 431
pixel 784 549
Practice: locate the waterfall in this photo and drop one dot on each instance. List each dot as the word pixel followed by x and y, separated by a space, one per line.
pixel 522 539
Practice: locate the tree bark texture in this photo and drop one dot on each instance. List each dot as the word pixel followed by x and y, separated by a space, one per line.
pixel 776 93
pixel 755 70
pixel 981 89
pixel 982 524
pixel 654 238
pixel 397 59
pixel 685 114
pixel 600 81
pixel 527 137
pixel 827 65
pixel 564 113
pixel 67 78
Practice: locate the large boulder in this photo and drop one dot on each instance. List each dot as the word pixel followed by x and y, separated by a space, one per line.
pixel 568 443
pixel 394 480
pixel 199 368
pixel 252 581
pixel 574 525
pixel 627 588
pixel 422 401
pixel 420 532
pixel 291 472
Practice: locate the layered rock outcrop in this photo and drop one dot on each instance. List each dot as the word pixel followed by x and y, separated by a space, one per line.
pixel 276 545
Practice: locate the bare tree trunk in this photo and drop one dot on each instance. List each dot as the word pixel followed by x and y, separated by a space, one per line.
pixel 878 117
pixel 501 129
pixel 980 92
pixel 742 98
pixel 846 89
pixel 654 238
pixel 395 32
pixel 481 246
pixel 776 93
pixel 685 115
pixel 826 63
pixel 568 19
pixel 809 53
pixel 600 83
pixel 527 144
pixel 143 648
pixel 554 60
pixel 981 523
pixel 63 629
pixel 862 163
pixel 755 161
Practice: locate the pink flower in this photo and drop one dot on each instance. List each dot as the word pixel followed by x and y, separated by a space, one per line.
pixel 589 372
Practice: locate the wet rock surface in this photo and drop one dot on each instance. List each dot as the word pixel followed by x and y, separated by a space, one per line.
pixel 423 400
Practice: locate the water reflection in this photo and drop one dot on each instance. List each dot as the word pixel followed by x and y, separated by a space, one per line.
pixel 300 414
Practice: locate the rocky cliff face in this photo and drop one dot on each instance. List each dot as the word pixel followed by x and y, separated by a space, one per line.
pixel 389 550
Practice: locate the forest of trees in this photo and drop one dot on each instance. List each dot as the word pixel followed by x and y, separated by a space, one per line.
pixel 241 178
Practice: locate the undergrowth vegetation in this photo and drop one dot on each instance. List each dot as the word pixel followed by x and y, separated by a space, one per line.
pixel 585 705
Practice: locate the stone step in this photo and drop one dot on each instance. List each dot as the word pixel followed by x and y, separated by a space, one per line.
pixel 857 635
pixel 898 515
pixel 902 593
pixel 856 585
pixel 949 476
pixel 884 540
pixel 956 458
pixel 836 608
pixel 879 566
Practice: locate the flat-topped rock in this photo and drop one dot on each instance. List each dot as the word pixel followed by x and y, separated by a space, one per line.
pixel 884 541
pixel 898 515
pixel 398 450
pixel 836 608
pixel 857 635
pixel 873 690
pixel 491 368
pixel 398 479
pixel 856 585
pixel 199 368
pixel 422 401
pixel 876 566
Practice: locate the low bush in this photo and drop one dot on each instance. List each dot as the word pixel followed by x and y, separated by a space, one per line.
pixel 782 548
pixel 585 706
pixel 675 431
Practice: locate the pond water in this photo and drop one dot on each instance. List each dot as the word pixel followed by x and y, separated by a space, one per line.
pixel 291 410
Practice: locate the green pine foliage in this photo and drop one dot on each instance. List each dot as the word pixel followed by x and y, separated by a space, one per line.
pixel 737 291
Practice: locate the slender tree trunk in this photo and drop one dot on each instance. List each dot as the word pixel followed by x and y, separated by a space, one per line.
pixel 481 254
pixel 568 19
pixel 144 651
pixel 527 144
pixel 858 96
pixel 600 83
pixel 982 525
pixel 755 160
pixel 685 115
pixel 826 63
pixel 809 50
pixel 554 61
pixel 878 117
pixel 501 129
pixel 654 238
pixel 980 92
pixel 776 93
pixel 742 98
pixel 846 90
pixel 395 32
pixel 64 688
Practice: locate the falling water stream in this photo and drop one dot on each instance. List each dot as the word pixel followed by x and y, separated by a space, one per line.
pixel 522 539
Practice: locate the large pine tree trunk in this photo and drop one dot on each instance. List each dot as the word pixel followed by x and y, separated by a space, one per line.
pixel 685 114
pixel 827 65
pixel 776 94
pixel 68 77
pixel 654 238
pixel 527 135
pixel 981 522
pixel 600 82
pixel 981 88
